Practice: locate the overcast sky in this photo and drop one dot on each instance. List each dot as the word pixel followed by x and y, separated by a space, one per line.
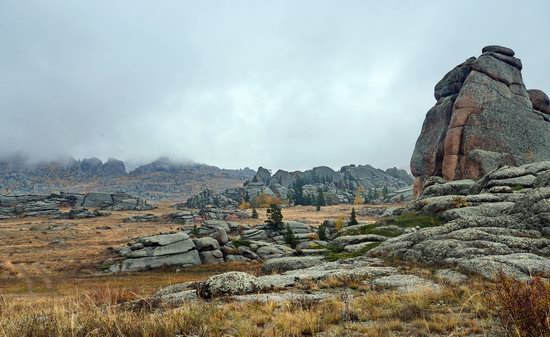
pixel 282 84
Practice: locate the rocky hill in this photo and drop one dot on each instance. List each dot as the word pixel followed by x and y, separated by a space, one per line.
pixel 484 118
pixel 162 179
pixel 343 186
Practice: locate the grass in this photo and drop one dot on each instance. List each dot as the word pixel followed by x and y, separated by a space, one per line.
pixel 408 220
pixel 337 254
pixel 456 311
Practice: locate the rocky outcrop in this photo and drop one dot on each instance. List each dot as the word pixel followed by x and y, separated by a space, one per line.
pixel 49 205
pixel 500 223
pixel 484 118
pixel 303 187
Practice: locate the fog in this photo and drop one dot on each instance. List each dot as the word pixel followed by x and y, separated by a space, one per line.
pixel 282 84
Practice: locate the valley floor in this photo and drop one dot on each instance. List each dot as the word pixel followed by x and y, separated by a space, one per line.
pixel 51 284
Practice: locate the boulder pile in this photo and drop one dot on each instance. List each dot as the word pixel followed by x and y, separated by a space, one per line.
pixel 484 118
pixel 499 223
pixel 337 186
pixel 48 205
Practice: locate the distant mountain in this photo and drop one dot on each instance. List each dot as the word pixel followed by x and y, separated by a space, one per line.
pixel 162 179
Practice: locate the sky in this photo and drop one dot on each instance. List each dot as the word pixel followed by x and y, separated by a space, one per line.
pixel 286 84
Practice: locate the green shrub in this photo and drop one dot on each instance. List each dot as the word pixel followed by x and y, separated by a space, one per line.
pixel 241 243
pixel 407 220
pixel 334 256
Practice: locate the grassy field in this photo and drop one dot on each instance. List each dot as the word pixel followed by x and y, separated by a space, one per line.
pixel 50 285
pixel 47 255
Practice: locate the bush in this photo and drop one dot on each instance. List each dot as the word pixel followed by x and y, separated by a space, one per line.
pixel 244 205
pixel 322 232
pixel 523 307
pixel 241 243
pixel 274 217
pixel 290 238
pixel 339 223
pixel 263 200
pixel 413 220
pixel 254 214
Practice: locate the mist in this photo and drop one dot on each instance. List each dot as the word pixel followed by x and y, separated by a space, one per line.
pixel 286 84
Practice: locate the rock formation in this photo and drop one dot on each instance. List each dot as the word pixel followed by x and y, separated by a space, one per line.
pixel 484 118
pixel 500 223
pixel 338 186
pixel 49 205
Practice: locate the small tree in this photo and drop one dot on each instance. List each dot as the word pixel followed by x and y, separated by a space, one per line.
pixel 274 217
pixel 320 199
pixel 290 238
pixel 322 232
pixel 254 214
pixel 352 218
pixel 385 191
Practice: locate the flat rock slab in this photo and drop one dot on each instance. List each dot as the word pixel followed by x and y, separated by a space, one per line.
pixel 404 283
pixel 282 297
pixel 283 264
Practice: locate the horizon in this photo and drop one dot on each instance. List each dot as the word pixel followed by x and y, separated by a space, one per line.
pixel 286 85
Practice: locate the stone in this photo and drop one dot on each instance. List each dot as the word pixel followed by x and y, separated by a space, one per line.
pixel 283 264
pixel 220 235
pixel 498 49
pixel 540 100
pixel 190 258
pixel 231 283
pixel 163 240
pixel 404 283
pixel 211 257
pixel 450 276
pixel 206 243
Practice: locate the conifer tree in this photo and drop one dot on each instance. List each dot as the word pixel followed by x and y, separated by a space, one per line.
pixel 352 218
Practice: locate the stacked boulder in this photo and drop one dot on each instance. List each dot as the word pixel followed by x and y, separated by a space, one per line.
pixel 484 118
pixel 157 251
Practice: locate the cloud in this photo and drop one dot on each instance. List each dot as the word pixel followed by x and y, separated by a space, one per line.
pixel 286 84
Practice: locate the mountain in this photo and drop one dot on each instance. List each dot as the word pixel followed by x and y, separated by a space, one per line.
pixel 162 179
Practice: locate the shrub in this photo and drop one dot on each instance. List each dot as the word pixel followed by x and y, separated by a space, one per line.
pixel 241 243
pixel 254 214
pixel 244 205
pixel 352 218
pixel 339 223
pixel 265 200
pixel 460 202
pixel 322 232
pixel 414 219
pixel 290 238
pixel 523 307
pixel 337 254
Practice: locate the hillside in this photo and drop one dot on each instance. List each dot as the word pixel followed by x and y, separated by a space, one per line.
pixel 162 179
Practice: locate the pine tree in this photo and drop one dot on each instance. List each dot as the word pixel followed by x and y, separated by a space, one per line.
pixel 290 238
pixel 385 191
pixel 320 199
pixel 254 214
pixel 322 232
pixel 274 217
pixel 352 218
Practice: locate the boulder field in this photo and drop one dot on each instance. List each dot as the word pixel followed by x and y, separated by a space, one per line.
pixel 484 118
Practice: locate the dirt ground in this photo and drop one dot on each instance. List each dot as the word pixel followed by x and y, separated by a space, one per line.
pixel 41 255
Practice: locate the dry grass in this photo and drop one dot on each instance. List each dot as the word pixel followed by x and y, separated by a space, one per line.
pixel 523 307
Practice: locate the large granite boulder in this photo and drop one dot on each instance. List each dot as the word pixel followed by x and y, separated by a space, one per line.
pixel 484 118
